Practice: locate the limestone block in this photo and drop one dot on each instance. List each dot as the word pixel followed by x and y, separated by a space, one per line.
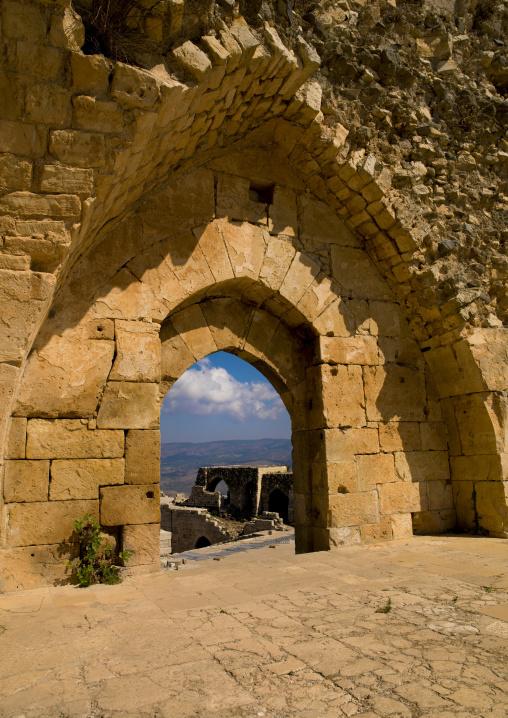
pixel 261 331
pixel 133 87
pixel 187 261
pixel 437 46
pixel 481 423
pixel 142 457
pixel 455 369
pixel 67 31
pixel 26 481
pixel 399 436
pixel 157 275
pixel 9 377
pixel 484 467
pixel 337 396
pixel 353 509
pixel 21 139
pixel 489 348
pixel 15 173
pixel 302 272
pixel 356 273
pixel 246 40
pixel 176 357
pixel 439 495
pixel 402 526
pixel 283 212
pixel 91 114
pixel 374 469
pixel 124 297
pixel 399 349
pixel 394 392
pixel 399 498
pixel 189 197
pixel 385 319
pixel 23 21
pixel 64 377
pixel 344 444
pixel 120 505
pixel 434 522
pixel 47 522
pixel 360 350
pixel 219 54
pixel 464 495
pixel 452 430
pixel 320 224
pixel 381 531
pixel 16 439
pixel 48 104
pixel 22 298
pixel 90 73
pixel 228 320
pixel 71 439
pixel 81 478
pixel 28 204
pixel 278 257
pixel 138 352
pixel 211 243
pixel 127 405
pixel 84 149
pixel 143 541
pixel 433 436
pixel 285 353
pixel 234 202
pixel 337 477
pixel 246 245
pixel 317 298
pixel 191 324
pixel 192 59
pixel 336 320
pixel 422 465
pixel 492 506
pixel 345 536
pixel 70 180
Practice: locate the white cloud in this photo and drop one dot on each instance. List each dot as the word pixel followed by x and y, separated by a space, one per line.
pixel 207 390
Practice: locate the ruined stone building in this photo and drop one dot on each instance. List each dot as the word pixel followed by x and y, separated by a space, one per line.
pixel 320 189
pixel 252 490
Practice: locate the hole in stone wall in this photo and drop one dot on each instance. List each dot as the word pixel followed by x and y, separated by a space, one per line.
pixel 260 192
pixel 149 494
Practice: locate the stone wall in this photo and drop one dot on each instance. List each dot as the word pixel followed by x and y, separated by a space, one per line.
pixel 188 525
pixel 151 217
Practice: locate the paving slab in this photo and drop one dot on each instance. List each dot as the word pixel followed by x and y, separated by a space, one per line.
pixel 415 628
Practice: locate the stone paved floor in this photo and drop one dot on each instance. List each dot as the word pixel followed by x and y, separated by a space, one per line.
pixel 267 633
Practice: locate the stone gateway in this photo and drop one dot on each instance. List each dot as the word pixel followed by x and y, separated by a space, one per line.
pixel 152 217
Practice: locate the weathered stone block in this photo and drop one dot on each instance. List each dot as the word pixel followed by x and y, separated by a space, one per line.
pixel 353 509
pixel 47 522
pixel 71 180
pixel 346 536
pixel 120 505
pixel 489 348
pixel 133 87
pixel 26 481
pixel 90 73
pixel 399 436
pixel 464 495
pixel 67 30
pixel 455 370
pixel 361 350
pixel 433 436
pixel 394 392
pixel 211 243
pixel 228 320
pixel 234 201
pixel 375 469
pixel 300 275
pixel 142 457
pixel 84 149
pixel 246 246
pixel 344 444
pixel 49 104
pixel 317 298
pixel 192 59
pixel 481 422
pixel 27 22
pixel 377 532
pixel 434 522
pixel 492 506
pixel 356 273
pixel 127 405
pixel 422 465
pixel 320 224
pixel 15 173
pixel 484 467
pixel 188 263
pixel 400 498
pixel 337 477
pixel 16 439
pixel 337 320
pixel 283 212
pixel 81 478
pixel 143 542
pixel 191 324
pixel 439 495
pixel 91 114
pixel 338 398
pixel 21 139
pixel 138 352
pixel 176 356
pixel 71 439
pixel 29 204
pixel 386 319
pixel 402 526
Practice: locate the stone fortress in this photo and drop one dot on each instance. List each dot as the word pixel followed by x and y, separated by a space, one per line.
pixel 320 189
pixel 259 498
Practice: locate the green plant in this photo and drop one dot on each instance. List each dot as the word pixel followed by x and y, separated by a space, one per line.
pixel 487 589
pixel 455 599
pixel 97 562
pixel 385 609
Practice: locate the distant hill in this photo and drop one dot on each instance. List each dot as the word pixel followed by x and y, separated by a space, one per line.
pixel 180 461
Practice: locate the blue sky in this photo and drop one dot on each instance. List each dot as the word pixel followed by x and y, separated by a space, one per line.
pixel 223 397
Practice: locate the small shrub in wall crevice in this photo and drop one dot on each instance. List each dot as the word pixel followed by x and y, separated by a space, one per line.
pixel 97 562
